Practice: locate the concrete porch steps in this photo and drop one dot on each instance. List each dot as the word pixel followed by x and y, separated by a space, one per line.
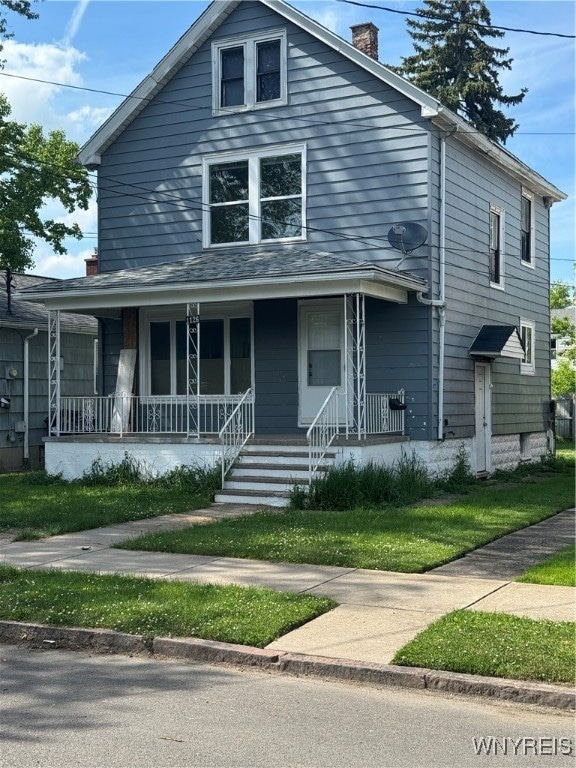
pixel 265 473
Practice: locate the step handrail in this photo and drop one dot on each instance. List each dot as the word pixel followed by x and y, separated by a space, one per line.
pixel 236 431
pixel 322 432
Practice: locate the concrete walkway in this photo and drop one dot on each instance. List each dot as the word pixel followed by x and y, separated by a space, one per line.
pixel 379 611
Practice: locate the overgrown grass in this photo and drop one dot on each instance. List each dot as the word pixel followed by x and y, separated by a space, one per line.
pixel 496 645
pixel 408 539
pixel 559 570
pixel 149 607
pixel 35 504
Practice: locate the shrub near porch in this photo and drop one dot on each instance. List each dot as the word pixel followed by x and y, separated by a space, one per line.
pixel 409 539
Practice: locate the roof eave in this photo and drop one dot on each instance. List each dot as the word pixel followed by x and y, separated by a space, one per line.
pixel 371 281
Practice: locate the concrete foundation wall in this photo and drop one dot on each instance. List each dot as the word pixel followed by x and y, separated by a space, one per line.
pixel 72 459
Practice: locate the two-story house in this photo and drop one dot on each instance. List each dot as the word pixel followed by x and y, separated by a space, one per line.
pixel 301 251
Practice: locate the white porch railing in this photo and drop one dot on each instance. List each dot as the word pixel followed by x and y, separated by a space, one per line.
pixel 323 430
pixel 384 414
pixel 149 414
pixel 236 431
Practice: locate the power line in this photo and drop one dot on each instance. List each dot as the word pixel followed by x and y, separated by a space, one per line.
pixel 261 114
pixel 456 21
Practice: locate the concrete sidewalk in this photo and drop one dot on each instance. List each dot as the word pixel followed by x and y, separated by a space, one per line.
pixel 379 611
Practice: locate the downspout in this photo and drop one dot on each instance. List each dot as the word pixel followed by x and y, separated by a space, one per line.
pixel 440 303
pixel 27 392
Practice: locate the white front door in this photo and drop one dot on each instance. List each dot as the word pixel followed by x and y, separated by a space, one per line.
pixel 483 416
pixel 321 355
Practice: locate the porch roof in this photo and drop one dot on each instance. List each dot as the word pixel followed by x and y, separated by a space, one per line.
pixel 216 276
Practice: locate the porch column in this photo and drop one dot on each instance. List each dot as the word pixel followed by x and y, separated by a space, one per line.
pixel 355 342
pixel 193 366
pixel 54 372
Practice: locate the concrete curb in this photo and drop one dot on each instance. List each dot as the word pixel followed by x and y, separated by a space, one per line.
pixel 212 652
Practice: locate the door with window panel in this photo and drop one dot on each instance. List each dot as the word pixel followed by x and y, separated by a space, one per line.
pixel 321 356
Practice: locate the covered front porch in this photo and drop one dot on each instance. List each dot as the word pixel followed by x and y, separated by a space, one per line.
pixel 221 364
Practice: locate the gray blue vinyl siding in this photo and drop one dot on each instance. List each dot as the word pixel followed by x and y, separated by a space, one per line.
pixel 367 155
pixel 372 161
pixel 77 379
pixel 276 366
pixel 519 402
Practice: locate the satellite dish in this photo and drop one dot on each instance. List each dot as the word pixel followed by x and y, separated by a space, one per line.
pixel 406 237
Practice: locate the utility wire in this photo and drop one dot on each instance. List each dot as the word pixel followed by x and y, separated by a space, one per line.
pixel 261 114
pixel 423 15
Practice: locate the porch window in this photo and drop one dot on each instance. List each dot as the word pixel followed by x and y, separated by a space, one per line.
pixel 249 73
pixel 254 199
pixel 225 357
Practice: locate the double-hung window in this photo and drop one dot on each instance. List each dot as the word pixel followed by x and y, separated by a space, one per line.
pixel 254 198
pixel 496 246
pixel 249 73
pixel 527 229
pixel 527 334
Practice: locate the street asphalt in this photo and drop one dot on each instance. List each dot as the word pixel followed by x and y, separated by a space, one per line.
pixel 378 611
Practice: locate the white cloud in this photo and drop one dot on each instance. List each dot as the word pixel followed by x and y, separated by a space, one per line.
pixel 33 101
pixel 52 265
pixel 73 25
pixel 88 118
pixel 86 220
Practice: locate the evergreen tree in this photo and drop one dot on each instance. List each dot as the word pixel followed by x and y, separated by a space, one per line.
pixel 454 62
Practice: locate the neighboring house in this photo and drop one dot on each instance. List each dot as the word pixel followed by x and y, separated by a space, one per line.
pixel 263 199
pixel 563 344
pixel 24 370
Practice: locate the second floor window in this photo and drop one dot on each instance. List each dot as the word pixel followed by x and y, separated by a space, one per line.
pixel 527 230
pixel 496 246
pixel 254 199
pixel 249 73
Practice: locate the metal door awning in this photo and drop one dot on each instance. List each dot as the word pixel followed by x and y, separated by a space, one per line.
pixel 497 341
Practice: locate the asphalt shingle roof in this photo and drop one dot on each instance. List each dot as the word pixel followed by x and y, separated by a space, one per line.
pixel 220 266
pixel 29 314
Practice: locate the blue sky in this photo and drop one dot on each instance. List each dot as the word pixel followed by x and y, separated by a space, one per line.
pixel 110 45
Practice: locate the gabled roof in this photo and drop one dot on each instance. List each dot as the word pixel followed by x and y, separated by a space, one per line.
pixel 218 12
pixel 27 315
pixel 497 341
pixel 261 274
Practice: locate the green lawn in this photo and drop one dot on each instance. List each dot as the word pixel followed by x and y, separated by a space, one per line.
pixel 496 645
pixel 409 539
pixel 150 607
pixel 36 505
pixel 558 570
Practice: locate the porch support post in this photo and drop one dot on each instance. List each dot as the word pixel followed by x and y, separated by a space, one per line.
pixel 356 360
pixel 193 366
pixel 54 372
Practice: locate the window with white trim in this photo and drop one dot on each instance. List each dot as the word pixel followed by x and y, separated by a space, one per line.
pixel 496 246
pixel 249 73
pixel 254 198
pixel 225 356
pixel 527 228
pixel 527 334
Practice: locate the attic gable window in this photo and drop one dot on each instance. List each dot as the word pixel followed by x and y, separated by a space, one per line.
pixel 249 73
pixel 254 198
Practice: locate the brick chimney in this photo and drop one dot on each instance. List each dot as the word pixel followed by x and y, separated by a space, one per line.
pixel 92 264
pixel 365 38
